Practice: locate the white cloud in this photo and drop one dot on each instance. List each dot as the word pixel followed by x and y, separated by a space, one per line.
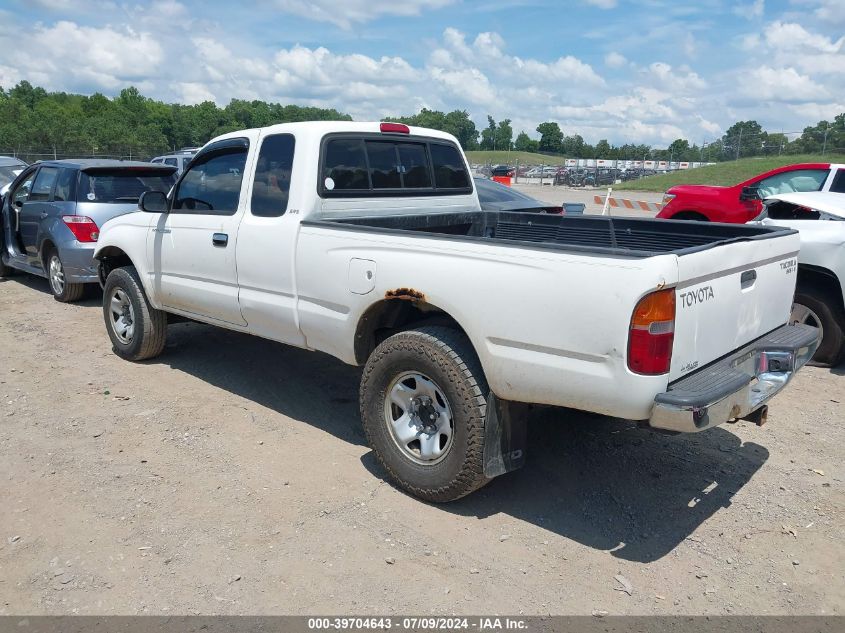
pixel 830 11
pixel 682 80
pixel 784 85
pixel 614 60
pixel 102 57
pixel 751 11
pixel 193 93
pixel 603 4
pixel 345 14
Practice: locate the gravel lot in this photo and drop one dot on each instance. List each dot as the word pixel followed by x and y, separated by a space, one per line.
pixel 230 476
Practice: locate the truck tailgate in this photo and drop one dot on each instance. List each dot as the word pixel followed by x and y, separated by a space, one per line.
pixel 730 295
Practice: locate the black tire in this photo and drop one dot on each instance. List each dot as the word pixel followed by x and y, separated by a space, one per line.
pixel 445 356
pixel 68 292
pixel 149 324
pixel 690 215
pixel 832 347
pixel 5 271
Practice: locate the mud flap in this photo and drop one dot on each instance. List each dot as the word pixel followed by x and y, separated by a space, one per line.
pixel 505 436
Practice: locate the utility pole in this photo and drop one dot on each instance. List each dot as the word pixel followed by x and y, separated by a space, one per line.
pixel 739 144
pixel 824 144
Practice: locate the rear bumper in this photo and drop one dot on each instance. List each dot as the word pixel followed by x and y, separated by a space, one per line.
pixel 80 265
pixel 736 386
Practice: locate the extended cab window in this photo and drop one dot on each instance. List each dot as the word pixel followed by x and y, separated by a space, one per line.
pixel 271 186
pixel 378 166
pixel 839 182
pixel 212 185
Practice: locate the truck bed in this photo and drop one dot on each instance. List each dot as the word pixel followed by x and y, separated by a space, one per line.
pixel 632 237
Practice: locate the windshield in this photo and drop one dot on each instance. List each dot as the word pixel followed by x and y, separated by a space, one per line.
pixel 122 186
pixel 8 173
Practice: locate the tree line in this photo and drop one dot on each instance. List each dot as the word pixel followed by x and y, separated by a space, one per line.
pixel 34 121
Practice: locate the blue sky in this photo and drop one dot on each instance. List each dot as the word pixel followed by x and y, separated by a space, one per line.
pixel 625 70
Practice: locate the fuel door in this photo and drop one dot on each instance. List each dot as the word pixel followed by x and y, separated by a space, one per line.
pixel 362 276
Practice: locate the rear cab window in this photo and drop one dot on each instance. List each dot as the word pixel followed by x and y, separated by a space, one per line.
pixel 373 165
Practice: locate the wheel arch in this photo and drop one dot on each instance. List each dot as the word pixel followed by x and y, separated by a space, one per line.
pixel 402 310
pixel 111 257
pixel 689 214
pixel 47 245
pixel 824 280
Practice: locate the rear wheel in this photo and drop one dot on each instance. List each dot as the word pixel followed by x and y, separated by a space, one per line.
pixel 61 288
pixel 814 307
pixel 423 407
pixel 136 329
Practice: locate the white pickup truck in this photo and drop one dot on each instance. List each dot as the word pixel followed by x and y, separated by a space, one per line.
pixel 366 241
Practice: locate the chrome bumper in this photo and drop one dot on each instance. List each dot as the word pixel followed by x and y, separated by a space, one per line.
pixel 737 386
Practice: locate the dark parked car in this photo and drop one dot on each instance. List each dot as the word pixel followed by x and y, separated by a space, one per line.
pixel 503 170
pixel 496 197
pixel 52 215
pixel 10 168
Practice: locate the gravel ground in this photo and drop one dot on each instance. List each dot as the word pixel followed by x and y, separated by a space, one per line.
pixel 230 476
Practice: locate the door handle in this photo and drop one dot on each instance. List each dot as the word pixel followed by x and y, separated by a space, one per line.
pixel 220 239
pixel 43 215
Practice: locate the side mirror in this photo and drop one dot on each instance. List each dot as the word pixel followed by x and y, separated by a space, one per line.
pixel 749 193
pixel 19 203
pixel 153 202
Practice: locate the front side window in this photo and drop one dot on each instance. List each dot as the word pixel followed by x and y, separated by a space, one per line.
pixel 22 190
pixel 792 181
pixel 212 184
pixel 271 186
pixel 43 186
pixel 171 161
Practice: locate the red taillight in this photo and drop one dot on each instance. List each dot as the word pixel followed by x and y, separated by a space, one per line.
pixel 83 229
pixel 395 128
pixel 652 333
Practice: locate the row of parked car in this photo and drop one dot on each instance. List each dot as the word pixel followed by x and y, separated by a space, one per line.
pixel 568 176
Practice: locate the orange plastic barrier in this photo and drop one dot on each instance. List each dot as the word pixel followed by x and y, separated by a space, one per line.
pixel 503 180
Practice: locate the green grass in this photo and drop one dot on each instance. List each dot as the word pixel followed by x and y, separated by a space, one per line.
pixel 487 157
pixel 726 174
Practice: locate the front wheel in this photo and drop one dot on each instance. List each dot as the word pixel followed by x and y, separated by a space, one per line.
pixel 813 307
pixel 136 329
pixel 423 407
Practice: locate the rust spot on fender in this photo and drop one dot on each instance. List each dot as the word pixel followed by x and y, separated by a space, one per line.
pixel 405 294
